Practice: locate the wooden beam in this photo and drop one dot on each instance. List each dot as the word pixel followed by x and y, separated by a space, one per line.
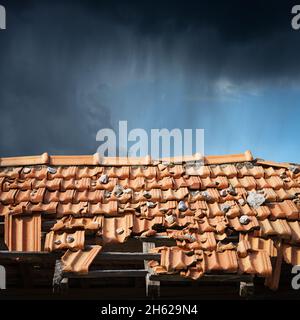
pixel 157 240
pixel 108 274
pixel 152 287
pixel 127 256
pixel 273 281
pixel 35 257
pixel 204 278
pixel 30 257
pixel 57 276
pixel 167 241
pixel 26 274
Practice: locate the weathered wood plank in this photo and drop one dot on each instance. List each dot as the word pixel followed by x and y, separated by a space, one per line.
pixel 152 287
pixel 108 273
pixel 204 278
pixel 30 257
pixel 124 256
pixel 102 256
pixel 157 240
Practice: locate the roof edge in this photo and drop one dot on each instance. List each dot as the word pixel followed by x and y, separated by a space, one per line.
pixel 96 159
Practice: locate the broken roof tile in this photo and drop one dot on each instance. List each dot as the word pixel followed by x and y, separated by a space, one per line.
pixel 80 260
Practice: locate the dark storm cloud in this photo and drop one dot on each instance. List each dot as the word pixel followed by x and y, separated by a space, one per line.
pixel 69 67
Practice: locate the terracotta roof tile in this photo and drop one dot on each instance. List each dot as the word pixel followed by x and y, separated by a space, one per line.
pixel 270 194
pixel 286 209
pixel 56 241
pixel 283 194
pixel 262 183
pixel 263 212
pixel 277 227
pixel 221 261
pixel 23 233
pixel 70 222
pixel 174 258
pixel 243 248
pixel 295 231
pixel 248 182
pixel 291 254
pixel 90 196
pixel 266 245
pixel 201 171
pixel 220 223
pixel 80 260
pixel 110 208
pixel 193 182
pixel 256 262
pixel 8 197
pixel 80 208
pixel 141 225
pixel 117 172
pixel 12 173
pixel 236 224
pixel 193 272
pixel 117 229
pixel 275 182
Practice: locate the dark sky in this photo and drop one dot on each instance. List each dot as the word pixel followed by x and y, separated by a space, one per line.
pixel 70 68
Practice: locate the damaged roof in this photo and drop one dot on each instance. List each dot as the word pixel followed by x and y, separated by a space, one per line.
pixel 201 203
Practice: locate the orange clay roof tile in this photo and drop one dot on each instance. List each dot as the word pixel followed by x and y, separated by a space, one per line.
pixel 56 241
pixel 117 229
pixel 70 222
pixel 174 258
pixel 221 261
pixel 266 245
pixel 291 254
pixel 80 260
pixel 256 262
pixel 23 233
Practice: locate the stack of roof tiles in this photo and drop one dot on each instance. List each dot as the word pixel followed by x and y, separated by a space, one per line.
pixel 202 207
